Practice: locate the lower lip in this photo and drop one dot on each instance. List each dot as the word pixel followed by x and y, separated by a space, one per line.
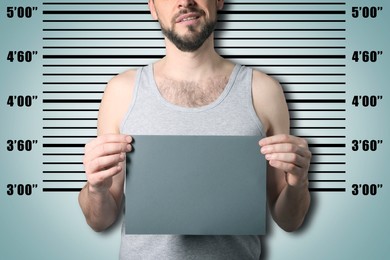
pixel 190 22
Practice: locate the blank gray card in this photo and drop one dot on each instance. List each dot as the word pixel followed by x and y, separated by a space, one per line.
pixel 195 185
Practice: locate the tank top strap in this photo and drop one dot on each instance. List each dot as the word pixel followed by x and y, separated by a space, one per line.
pixel 241 90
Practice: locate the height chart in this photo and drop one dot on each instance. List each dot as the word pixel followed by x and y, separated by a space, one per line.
pixel 330 56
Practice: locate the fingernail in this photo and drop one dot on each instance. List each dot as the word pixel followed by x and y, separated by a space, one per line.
pixel 128 147
pixel 128 139
pixel 264 150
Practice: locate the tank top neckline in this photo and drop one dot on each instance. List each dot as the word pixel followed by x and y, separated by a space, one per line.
pixel 222 96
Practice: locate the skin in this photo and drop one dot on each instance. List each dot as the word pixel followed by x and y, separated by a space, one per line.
pixel 288 156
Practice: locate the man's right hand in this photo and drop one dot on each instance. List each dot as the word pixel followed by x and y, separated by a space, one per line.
pixel 103 159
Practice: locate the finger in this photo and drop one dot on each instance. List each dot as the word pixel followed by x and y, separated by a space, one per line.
pixel 285 148
pixel 105 162
pixel 106 149
pixel 108 138
pixel 290 158
pixel 287 167
pixel 283 138
pixel 111 148
pixel 98 178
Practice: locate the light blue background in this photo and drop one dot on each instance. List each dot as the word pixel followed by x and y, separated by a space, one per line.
pixel 339 225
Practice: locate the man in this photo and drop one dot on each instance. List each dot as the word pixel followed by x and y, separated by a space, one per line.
pixel 193 90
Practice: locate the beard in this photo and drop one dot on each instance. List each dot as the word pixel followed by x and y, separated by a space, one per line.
pixel 192 40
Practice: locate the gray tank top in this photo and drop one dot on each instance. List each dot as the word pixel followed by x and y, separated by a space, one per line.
pixel 232 113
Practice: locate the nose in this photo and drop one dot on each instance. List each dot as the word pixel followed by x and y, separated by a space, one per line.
pixel 186 3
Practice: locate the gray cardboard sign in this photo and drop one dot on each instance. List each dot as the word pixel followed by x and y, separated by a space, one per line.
pixel 195 185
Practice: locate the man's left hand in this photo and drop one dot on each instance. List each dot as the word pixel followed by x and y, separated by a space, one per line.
pixel 290 154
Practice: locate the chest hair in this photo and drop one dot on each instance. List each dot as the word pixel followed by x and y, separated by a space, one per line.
pixel 192 94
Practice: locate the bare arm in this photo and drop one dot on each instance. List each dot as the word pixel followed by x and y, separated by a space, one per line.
pixel 287 183
pixel 288 156
pixel 101 197
pixel 104 159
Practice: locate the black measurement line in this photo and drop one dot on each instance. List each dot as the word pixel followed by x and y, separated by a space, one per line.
pixel 327 145
pixel 216 38
pixel 299 65
pixel 74 83
pixel 72 92
pixel 313 83
pixel 92 65
pixel 79 74
pixel 314 92
pixel 62 145
pixel 327 189
pixel 243 3
pixel 71 101
pixel 141 56
pixel 338 101
pixel 82 154
pixel 292 119
pixel 328 154
pixel 79 189
pixel 287 3
pixel 331 172
pixel 318 118
pixel 147 12
pixel 64 180
pixel 282 83
pixel 307 74
pixel 318 127
pixel 327 180
pixel 252 65
pixel 322 136
pixel 292 128
pixel 61 189
pixel 62 163
pixel 61 172
pixel 70 127
pixel 270 74
pixel 219 20
pixel 61 181
pixel 317 110
pixel 225 47
pixel 224 30
pixel 69 118
pixel 69 136
pixel 70 110
pixel 63 154
pixel 328 163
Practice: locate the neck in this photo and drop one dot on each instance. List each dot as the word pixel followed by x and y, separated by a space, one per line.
pixel 190 65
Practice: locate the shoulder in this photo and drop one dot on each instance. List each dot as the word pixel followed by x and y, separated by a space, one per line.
pixel 121 82
pixel 115 101
pixel 270 103
pixel 268 86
